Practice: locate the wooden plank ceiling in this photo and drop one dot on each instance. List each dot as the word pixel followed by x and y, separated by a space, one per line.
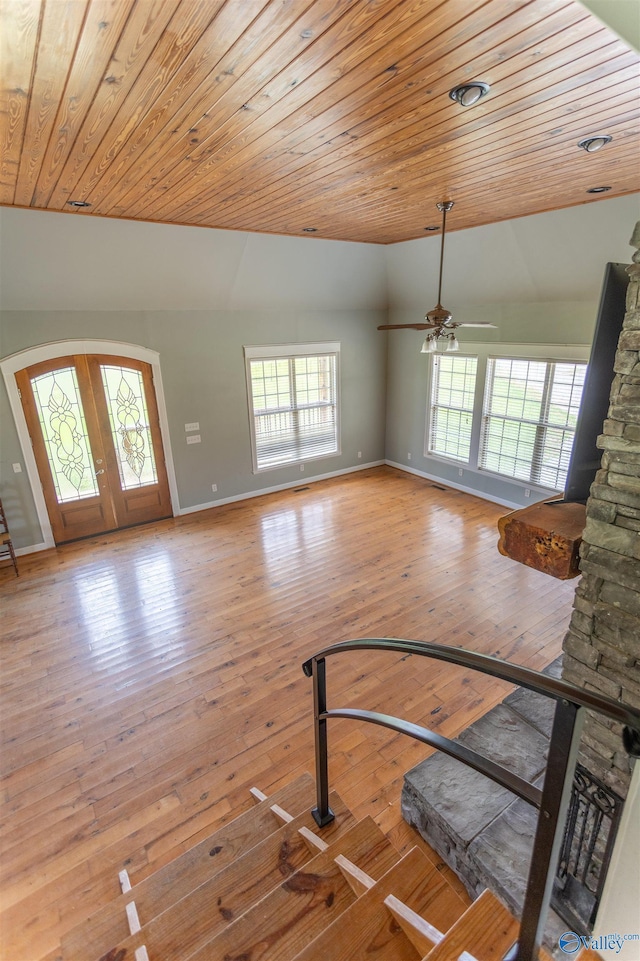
pixel 285 115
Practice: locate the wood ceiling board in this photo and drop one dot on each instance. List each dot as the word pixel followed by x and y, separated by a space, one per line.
pixel 390 173
pixel 184 31
pixel 18 41
pixel 59 32
pixel 394 147
pixel 356 97
pixel 309 111
pixel 136 44
pixel 356 63
pixel 502 192
pixel 385 162
pixel 302 80
pixel 180 159
pixel 184 87
pixel 537 154
pixel 101 30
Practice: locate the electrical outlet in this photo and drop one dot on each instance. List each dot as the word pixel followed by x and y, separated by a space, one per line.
pixel 17 468
pixel 527 492
pixel 194 426
pixel 359 453
pixel 302 467
pixel 408 456
pixel 193 439
pixel 214 488
pixel 460 472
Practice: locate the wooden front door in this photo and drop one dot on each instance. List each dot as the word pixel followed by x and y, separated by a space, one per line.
pixel 93 422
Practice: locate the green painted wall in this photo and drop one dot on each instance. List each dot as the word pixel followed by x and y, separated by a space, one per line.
pixel 202 362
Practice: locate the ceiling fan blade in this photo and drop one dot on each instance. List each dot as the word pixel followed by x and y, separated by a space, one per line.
pixel 480 323
pixel 406 326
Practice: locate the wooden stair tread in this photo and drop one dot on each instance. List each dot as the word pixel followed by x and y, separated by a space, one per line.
pixel 153 894
pixel 366 930
pixel 486 930
pixel 293 914
pixel 199 913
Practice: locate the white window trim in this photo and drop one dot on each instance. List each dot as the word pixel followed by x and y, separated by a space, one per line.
pixel 256 352
pixel 570 353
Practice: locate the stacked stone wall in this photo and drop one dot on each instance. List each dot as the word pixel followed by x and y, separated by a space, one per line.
pixel 602 646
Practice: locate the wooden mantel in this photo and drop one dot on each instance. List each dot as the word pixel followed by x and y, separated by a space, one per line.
pixel 545 536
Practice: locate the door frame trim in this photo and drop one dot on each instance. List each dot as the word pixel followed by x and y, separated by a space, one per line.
pixel 62 348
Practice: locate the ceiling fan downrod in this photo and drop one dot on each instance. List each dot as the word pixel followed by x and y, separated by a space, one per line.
pixel 440 315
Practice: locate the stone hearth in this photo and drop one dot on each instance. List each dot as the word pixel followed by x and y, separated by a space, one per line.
pixel 482 832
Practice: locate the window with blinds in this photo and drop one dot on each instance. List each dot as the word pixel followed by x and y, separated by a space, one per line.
pixel 293 403
pixel 529 418
pixel 453 384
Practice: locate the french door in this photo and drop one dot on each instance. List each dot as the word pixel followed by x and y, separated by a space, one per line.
pixel 94 428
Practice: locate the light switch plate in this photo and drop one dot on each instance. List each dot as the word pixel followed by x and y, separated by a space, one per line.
pixel 194 426
pixel 193 439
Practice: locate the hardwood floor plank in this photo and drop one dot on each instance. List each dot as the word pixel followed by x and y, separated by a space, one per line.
pixel 165 663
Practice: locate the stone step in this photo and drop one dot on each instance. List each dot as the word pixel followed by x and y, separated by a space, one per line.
pixel 451 804
pixel 482 831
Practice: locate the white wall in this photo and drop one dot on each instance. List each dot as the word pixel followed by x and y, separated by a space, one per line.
pixel 619 911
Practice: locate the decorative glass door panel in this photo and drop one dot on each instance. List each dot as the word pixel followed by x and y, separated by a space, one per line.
pixel 130 429
pixel 96 437
pixel 64 432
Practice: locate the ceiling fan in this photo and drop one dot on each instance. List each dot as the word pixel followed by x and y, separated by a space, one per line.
pixel 439 320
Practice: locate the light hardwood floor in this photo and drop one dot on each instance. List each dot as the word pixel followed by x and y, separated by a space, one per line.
pixel 151 676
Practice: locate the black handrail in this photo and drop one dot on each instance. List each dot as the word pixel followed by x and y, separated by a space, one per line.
pixel 552 802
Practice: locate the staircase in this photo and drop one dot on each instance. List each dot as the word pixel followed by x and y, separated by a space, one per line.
pixel 270 886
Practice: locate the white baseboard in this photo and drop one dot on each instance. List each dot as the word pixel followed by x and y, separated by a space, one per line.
pixel 304 480
pixel 458 487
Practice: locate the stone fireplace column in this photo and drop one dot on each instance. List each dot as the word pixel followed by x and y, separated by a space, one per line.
pixel 602 645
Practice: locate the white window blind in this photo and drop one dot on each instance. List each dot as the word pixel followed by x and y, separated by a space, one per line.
pixel 453 383
pixel 293 403
pixel 529 418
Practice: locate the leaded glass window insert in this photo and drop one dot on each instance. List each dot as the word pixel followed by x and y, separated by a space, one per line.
pixel 64 431
pixel 130 429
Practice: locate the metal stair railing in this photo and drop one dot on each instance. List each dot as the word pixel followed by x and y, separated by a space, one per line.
pixel 552 801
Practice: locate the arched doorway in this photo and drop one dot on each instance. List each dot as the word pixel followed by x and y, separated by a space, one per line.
pixel 92 414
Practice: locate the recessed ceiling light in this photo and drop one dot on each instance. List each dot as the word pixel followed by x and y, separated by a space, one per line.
pixel 598 190
pixel 591 144
pixel 78 203
pixel 432 227
pixel 309 230
pixel 469 93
